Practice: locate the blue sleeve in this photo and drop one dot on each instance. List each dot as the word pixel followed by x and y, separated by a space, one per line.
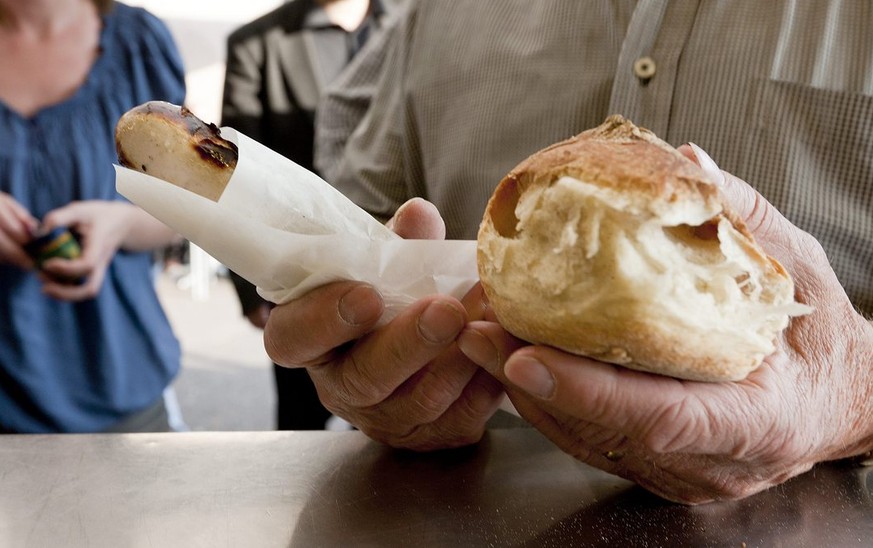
pixel 143 64
pixel 146 64
pixel 158 71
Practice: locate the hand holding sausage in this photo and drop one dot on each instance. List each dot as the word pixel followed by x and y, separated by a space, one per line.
pixel 404 383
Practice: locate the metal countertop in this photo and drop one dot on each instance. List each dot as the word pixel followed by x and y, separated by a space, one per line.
pixel 313 489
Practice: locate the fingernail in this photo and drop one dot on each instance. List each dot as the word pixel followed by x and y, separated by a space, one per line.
pixel 479 349
pixel 708 165
pixel 397 213
pixel 361 305
pixel 440 323
pixel 531 376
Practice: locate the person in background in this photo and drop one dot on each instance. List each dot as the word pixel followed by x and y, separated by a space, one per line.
pixel 95 354
pixel 277 68
pixel 780 93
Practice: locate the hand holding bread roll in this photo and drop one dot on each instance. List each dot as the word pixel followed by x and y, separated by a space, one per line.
pixel 613 245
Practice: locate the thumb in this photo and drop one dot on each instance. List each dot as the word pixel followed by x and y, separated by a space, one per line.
pixel 64 216
pixel 798 251
pixel 418 219
pixel 763 220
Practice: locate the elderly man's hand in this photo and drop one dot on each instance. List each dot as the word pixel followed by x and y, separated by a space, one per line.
pixel 404 383
pixel 693 442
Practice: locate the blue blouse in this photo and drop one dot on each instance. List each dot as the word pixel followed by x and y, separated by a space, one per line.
pixel 79 367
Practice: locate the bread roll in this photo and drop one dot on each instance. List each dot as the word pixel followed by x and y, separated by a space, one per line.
pixel 170 143
pixel 613 245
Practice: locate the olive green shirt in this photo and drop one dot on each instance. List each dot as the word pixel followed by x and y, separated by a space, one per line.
pixel 779 92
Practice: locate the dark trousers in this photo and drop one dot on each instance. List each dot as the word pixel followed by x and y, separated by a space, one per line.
pixel 298 405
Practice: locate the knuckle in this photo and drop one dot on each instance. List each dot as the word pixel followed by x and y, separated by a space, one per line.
pixel 433 396
pixel 476 406
pixel 429 437
pixel 674 428
pixel 475 411
pixel 605 440
pixel 274 347
pixel 461 435
pixel 390 433
pixel 460 439
pixel 358 387
pixel 729 486
pixel 780 445
pixel 282 345
pixel 331 402
pixel 429 405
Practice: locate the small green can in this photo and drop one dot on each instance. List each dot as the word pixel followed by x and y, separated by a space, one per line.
pixel 57 242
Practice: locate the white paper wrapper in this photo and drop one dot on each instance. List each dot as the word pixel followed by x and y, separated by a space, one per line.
pixel 287 231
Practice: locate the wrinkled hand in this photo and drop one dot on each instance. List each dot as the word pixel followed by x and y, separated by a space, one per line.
pixel 101 227
pixel 405 383
pixel 16 228
pixel 692 442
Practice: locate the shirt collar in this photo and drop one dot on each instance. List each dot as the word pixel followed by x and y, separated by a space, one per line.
pixel 316 18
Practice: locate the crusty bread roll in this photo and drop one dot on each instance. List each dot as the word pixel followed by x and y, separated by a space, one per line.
pixel 170 143
pixel 613 245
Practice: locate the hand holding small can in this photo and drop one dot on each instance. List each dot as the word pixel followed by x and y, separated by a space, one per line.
pixel 52 243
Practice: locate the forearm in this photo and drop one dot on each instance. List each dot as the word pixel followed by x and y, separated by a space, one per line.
pixel 144 232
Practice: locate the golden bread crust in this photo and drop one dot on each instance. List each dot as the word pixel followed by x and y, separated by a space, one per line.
pixel 615 246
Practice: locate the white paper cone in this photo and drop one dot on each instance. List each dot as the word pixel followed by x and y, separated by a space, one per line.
pixel 285 230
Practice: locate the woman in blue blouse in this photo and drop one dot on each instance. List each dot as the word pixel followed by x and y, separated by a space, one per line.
pixel 93 356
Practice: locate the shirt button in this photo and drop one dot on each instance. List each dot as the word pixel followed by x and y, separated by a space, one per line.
pixel 644 68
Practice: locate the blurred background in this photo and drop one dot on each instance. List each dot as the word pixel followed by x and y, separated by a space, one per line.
pixel 226 382
pixel 200 28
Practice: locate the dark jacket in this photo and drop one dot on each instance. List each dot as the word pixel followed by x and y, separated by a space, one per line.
pixel 277 67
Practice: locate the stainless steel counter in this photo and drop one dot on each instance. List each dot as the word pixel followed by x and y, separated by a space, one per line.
pixel 315 489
